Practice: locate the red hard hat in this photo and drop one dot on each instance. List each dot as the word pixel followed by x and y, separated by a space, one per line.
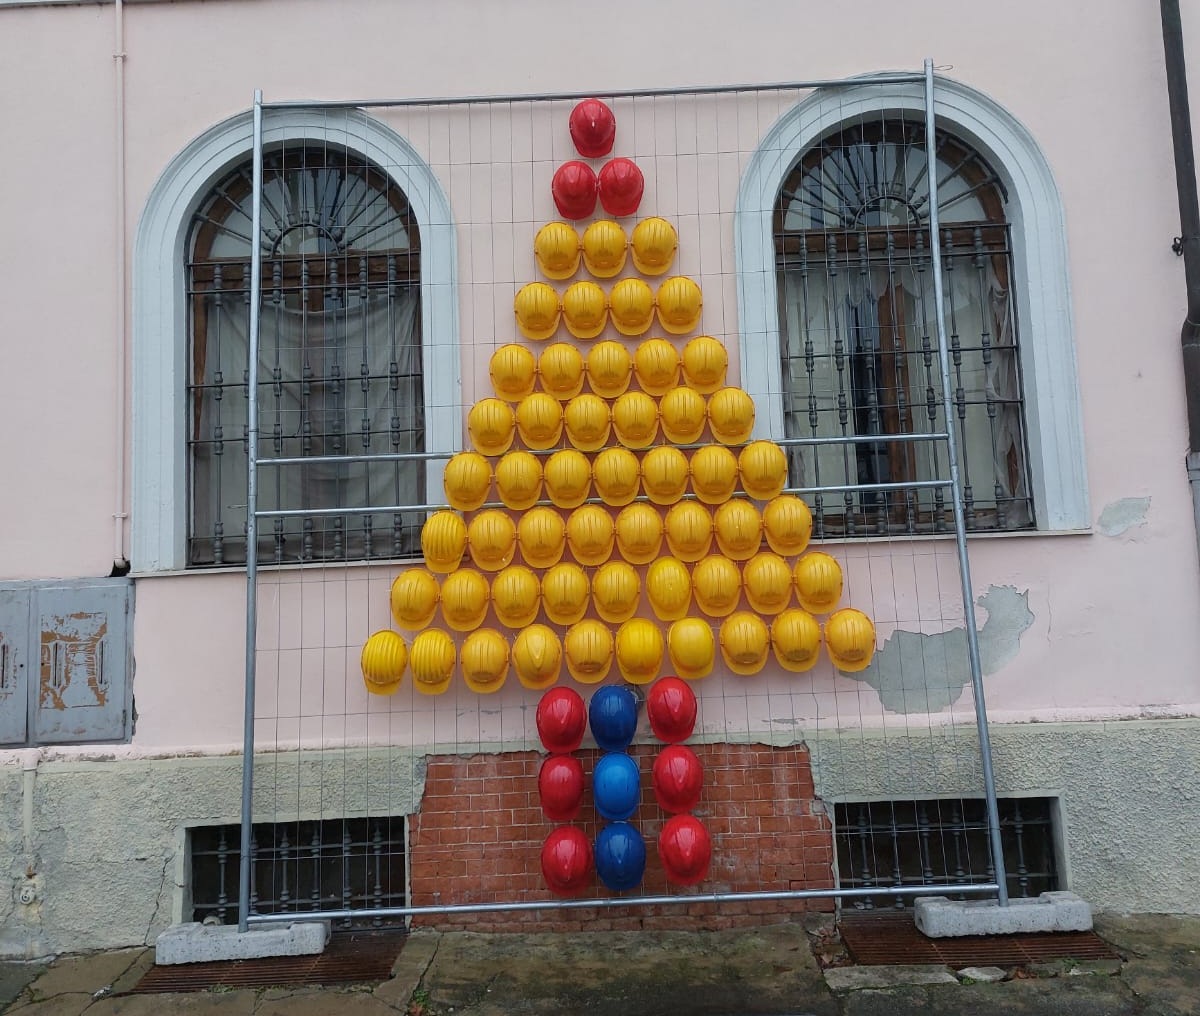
pixel 621 185
pixel 685 850
pixel 593 128
pixel 560 787
pixel 671 708
pixel 678 778
pixel 574 190
pixel 561 720
pixel 567 861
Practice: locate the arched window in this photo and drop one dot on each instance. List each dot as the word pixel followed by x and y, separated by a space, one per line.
pixel 339 365
pixel 858 339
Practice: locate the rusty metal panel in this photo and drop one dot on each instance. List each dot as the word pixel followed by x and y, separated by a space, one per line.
pixel 14 664
pixel 83 686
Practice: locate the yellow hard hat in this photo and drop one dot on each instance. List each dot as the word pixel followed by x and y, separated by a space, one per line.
pixel 519 479
pixel 616 591
pixel 683 415
pixel 516 596
pixel 656 365
pixel 640 649
pixel 604 248
pixel 664 474
pixel 491 424
pixel 561 369
pixel 739 529
pixel 850 639
pixel 714 474
pixel 818 580
pixel 484 661
pixel 692 648
pixel 590 534
pixel 763 468
pixel 414 598
pixel 466 480
pixel 745 642
pixel 568 478
pixel 768 581
pixel 512 370
pixel 542 536
pixel 589 651
pixel 464 599
pixel 653 242
pixel 556 248
pixel 788 525
pixel 669 588
pixel 443 541
pixel 731 415
pixel 717 584
pixel 565 593
pixel 679 305
pixel 492 539
pixel 584 309
pixel 588 422
pixel 615 473
pixel 796 640
pixel 635 417
pixel 383 659
pixel 432 661
pixel 631 303
pixel 537 308
pixel 639 533
pixel 705 361
pixel 540 420
pixel 537 657
pixel 609 368
pixel 689 530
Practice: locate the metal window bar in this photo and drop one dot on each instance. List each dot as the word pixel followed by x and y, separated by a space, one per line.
pixel 997 886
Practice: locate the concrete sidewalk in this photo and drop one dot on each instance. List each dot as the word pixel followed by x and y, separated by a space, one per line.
pixel 767 971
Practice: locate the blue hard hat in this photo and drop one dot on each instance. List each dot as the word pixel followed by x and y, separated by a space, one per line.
pixel 612 714
pixel 616 785
pixel 620 856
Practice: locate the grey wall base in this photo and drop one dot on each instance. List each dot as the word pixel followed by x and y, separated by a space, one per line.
pixel 210 943
pixel 939 917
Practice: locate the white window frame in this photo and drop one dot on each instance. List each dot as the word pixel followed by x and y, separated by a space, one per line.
pixel 159 508
pixel 1053 414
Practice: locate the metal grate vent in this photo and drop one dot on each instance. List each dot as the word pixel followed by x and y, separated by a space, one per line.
pixel 913 843
pixel 337 864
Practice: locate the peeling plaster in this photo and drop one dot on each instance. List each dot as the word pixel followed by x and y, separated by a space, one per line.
pixel 917 673
pixel 1120 516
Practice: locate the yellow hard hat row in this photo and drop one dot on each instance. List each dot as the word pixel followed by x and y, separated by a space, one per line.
pixel 608 368
pixel 566 478
pixel 586 309
pixel 603 248
pixel 589 421
pixel 638 648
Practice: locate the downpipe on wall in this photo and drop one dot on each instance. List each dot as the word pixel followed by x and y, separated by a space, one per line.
pixel 120 513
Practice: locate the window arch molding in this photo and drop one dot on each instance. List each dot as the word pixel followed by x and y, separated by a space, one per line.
pixel 1052 406
pixel 160 348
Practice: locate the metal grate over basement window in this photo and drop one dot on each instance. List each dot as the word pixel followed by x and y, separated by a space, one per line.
pixel 912 843
pixel 336 864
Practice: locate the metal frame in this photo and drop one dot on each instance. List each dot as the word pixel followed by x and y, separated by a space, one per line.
pixel 997 887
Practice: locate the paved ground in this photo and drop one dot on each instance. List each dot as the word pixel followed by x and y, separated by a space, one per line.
pixel 768 971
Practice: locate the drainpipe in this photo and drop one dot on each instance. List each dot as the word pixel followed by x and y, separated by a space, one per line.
pixel 120 514
pixel 1188 243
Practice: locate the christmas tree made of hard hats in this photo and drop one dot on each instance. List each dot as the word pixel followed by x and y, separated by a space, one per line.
pixel 612 506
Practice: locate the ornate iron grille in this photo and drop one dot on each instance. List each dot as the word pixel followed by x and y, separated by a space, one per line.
pixel 302 867
pixel 904 843
pixel 858 335
pixel 340 361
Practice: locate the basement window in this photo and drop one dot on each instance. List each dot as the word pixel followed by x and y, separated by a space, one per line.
pixel 302 868
pixel 944 842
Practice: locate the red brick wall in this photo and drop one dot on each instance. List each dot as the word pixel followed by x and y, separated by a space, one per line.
pixel 479 832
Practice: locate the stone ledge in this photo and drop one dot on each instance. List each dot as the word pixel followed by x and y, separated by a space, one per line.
pixel 199 943
pixel 940 917
pixel 842 979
